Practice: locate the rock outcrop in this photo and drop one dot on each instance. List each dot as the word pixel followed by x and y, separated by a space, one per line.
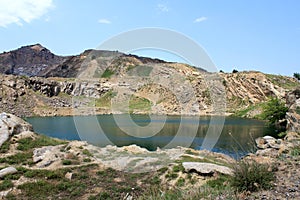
pixel 11 125
pixel 293 115
pixel 206 169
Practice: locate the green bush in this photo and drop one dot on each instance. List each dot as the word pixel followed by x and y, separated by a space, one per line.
pixel 66 162
pixel 251 176
pixel 274 110
pixel 297 76
pixel 107 73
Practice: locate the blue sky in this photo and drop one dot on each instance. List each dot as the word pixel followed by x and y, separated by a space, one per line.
pixel 244 35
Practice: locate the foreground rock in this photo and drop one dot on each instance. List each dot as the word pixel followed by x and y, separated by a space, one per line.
pixel 206 168
pixel 7 170
pixel 11 125
pixel 293 115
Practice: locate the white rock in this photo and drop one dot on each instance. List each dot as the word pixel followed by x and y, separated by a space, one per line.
pixel 7 170
pixel 206 168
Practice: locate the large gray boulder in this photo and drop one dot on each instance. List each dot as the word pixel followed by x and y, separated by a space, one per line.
pixel 206 168
pixel 11 125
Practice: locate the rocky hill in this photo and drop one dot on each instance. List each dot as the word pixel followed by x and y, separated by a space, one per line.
pixel 112 82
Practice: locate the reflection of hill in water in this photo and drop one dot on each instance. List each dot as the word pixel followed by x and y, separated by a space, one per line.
pixel 240 141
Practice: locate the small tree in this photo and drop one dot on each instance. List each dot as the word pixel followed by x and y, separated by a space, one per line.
pixel 235 71
pixel 297 76
pixel 274 111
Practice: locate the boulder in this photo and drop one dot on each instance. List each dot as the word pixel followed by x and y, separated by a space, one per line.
pixel 11 125
pixel 206 168
pixel 7 170
pixel 47 155
pixel 268 142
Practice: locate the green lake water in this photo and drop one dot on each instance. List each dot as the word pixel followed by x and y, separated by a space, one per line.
pixel 236 138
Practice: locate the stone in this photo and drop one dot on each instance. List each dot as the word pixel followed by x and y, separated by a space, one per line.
pixel 206 168
pixel 11 125
pixel 268 142
pixel 7 170
pixel 69 175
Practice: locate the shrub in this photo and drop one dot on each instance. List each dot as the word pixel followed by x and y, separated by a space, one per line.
pixel 107 73
pixel 297 76
pixel 235 71
pixel 251 176
pixel 66 162
pixel 274 111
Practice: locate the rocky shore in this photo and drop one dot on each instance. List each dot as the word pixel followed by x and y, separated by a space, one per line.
pixel 22 149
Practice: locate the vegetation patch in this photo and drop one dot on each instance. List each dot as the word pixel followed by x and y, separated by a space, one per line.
pixel 6 184
pixel 5 147
pixel 252 176
pixel 139 103
pixel 107 73
pixel 18 158
pixel 105 100
pixel 282 81
pixel 139 70
pixel 25 144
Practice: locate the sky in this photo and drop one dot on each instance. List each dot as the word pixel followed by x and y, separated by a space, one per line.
pixel 243 35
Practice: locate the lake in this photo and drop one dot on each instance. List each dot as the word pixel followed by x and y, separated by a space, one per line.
pixel 236 136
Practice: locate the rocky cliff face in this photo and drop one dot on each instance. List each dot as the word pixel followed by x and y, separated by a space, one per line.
pixel 30 60
pixel 293 115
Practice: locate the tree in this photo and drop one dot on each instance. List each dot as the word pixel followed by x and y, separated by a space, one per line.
pixel 297 76
pixel 235 71
pixel 274 111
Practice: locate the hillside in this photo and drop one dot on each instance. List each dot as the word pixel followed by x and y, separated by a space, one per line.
pixel 89 82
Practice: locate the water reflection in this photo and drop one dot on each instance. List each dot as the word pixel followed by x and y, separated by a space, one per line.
pixel 237 136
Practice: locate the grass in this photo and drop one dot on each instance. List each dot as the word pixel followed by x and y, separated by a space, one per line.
pixel 282 81
pixel 28 143
pixel 87 153
pixel 6 184
pixel 252 176
pixel 295 151
pixel 139 103
pixel 107 73
pixel 18 158
pixel 139 70
pixel 298 110
pixel 5 147
pixel 105 100
pixel 178 168
pixel 52 184
pixel 180 182
pixel 245 111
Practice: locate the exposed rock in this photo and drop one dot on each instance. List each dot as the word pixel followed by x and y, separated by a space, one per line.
pixel 268 142
pixel 11 125
pixel 290 136
pixel 293 115
pixel 206 168
pixel 69 175
pixel 7 170
pixel 47 155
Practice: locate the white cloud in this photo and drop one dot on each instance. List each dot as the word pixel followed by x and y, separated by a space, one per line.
pixel 104 21
pixel 200 19
pixel 20 11
pixel 162 8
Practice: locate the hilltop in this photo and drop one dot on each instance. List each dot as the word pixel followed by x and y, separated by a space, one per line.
pixel 34 81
